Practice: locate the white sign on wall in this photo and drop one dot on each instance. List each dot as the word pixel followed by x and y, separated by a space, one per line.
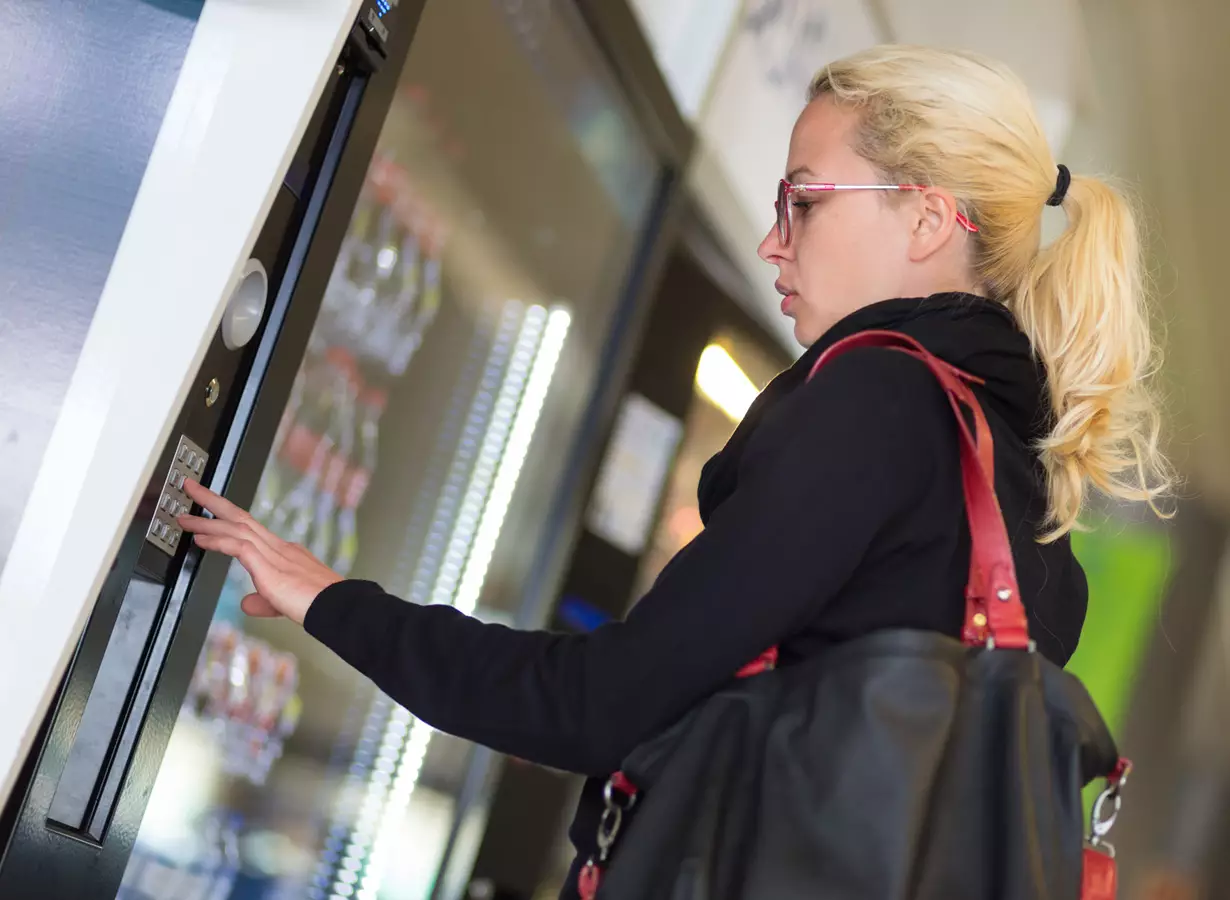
pixel 638 459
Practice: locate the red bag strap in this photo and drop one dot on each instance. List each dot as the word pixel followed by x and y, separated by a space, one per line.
pixel 994 614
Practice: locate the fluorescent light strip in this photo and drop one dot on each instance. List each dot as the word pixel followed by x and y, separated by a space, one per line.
pixel 342 824
pixel 491 449
pixel 513 459
pixel 445 515
pixel 720 379
pixel 399 800
pixel 548 331
pixel 364 832
pixel 474 499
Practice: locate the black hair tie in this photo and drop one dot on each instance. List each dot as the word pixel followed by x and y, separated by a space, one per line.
pixel 1061 186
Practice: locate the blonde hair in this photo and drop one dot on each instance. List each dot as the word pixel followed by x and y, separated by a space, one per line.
pixel 966 123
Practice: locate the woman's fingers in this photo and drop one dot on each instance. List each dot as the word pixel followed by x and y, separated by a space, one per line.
pixel 287 577
pixel 202 525
pixel 248 530
pixel 259 607
pixel 226 511
pixel 218 505
pixel 251 555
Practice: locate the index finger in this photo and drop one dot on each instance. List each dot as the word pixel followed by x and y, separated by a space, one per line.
pixel 218 505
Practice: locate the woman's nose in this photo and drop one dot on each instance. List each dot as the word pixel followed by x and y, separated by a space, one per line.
pixel 770 249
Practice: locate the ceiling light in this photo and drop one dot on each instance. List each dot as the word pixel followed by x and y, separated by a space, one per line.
pixel 723 383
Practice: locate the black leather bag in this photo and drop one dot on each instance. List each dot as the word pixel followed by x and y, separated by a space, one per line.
pixel 904 765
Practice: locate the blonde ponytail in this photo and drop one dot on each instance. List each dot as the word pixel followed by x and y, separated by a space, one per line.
pixel 1082 304
pixel 960 120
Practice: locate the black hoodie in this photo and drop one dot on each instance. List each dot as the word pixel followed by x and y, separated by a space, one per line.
pixel 835 510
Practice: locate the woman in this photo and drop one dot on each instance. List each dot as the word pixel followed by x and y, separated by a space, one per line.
pixel 913 202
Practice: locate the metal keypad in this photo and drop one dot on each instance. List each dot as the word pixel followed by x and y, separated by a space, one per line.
pixel 164 532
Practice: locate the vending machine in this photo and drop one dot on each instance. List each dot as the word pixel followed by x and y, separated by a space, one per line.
pixel 440 290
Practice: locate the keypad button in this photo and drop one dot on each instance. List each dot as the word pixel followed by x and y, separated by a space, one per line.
pixel 189 462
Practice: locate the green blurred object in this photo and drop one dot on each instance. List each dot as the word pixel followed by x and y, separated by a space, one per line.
pixel 1128 568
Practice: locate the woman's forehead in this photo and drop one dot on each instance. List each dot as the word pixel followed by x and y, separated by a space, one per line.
pixel 821 137
pixel 819 144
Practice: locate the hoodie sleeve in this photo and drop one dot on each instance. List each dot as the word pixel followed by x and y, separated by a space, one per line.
pixel 812 495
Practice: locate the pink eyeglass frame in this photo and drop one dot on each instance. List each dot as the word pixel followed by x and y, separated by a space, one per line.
pixel 786 189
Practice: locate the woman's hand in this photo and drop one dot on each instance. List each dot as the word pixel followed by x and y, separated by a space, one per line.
pixel 286 576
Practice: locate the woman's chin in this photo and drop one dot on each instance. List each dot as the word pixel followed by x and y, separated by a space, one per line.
pixel 803 334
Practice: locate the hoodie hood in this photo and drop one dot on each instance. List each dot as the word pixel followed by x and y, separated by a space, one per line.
pixel 977 335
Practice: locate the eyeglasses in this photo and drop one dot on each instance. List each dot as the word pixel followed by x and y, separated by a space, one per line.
pixel 786 189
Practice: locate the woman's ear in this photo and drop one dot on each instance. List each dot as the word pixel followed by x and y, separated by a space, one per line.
pixel 934 218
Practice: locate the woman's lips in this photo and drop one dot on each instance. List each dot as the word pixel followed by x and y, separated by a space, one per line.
pixel 787 297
